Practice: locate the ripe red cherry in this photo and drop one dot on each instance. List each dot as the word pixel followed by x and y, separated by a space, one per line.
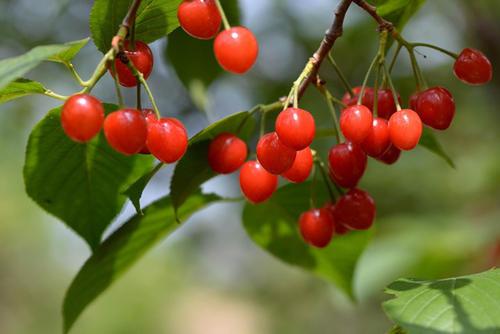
pixel 356 123
pixel 301 168
pixel 436 107
pixel 126 131
pixel 412 101
pixel 141 57
pixel 317 227
pixel 236 49
pixel 150 117
pixel 378 139
pixel 390 156
pixel 347 164
pixel 386 105
pixel 473 67
pixel 167 139
pixel 339 228
pixel 273 155
pixel 226 153
pixel 199 18
pixel 367 99
pixel 295 128
pixel 82 117
pixel 256 183
pixel 405 129
pixel 355 210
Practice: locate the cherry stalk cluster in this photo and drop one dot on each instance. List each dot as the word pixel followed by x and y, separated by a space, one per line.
pixel 372 121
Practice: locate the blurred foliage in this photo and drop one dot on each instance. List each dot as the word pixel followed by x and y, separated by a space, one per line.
pixel 433 221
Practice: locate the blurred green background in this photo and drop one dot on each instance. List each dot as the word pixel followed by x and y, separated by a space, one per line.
pixel 433 221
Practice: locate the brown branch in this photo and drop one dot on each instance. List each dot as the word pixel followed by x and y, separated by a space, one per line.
pixel 372 10
pixel 326 45
pixel 127 23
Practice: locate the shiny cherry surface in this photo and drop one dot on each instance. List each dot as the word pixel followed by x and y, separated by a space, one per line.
pixel 378 139
pixel 355 210
pixel 317 227
pixel 356 123
pixel 199 18
pixel 405 129
pixel 126 131
pixel 390 156
pixel 236 49
pixel 436 107
pixel 141 57
pixel 347 164
pixel 150 117
pixel 226 153
pixel 82 117
pixel 301 168
pixel 167 139
pixel 473 67
pixel 295 128
pixel 273 155
pixel 256 183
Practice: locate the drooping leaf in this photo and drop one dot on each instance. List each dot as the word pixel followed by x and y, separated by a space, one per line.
pixel 468 304
pixel 81 184
pixel 122 249
pixel 15 67
pixel 70 53
pixel 134 192
pixel 155 19
pixel 398 12
pixel 193 169
pixel 273 226
pixel 430 142
pixel 19 88
pixel 193 59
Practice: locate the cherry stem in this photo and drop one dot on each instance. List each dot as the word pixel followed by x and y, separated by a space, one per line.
pixel 395 57
pixel 261 108
pixel 367 77
pixel 50 93
pixel 340 74
pixel 375 90
pixel 225 21
pixel 313 199
pixel 391 85
pixel 324 174
pixel 262 124
pixel 74 73
pixel 99 71
pixel 117 86
pixel 138 98
pixel 331 108
pixel 435 47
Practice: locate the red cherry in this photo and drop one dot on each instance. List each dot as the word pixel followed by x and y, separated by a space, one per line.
pixel 367 99
pixel 295 128
pixel 436 107
pixel 301 168
pixel 273 155
pixel 256 183
pixel 473 67
pixel 150 117
pixel 405 129
pixel 390 156
pixel 378 139
pixel 347 164
pixel 355 210
pixel 386 105
pixel 316 227
pixel 82 117
pixel 236 49
pixel 199 18
pixel 412 101
pixel 167 139
pixel 141 57
pixel 226 153
pixel 339 228
pixel 126 131
pixel 356 123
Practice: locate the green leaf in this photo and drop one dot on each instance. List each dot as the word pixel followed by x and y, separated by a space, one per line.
pixel 134 192
pixel 124 248
pixel 467 304
pixel 273 226
pixel 13 68
pixel 398 12
pixel 19 88
pixel 430 142
pixel 72 50
pixel 193 59
pixel 81 184
pixel 155 19
pixel 193 169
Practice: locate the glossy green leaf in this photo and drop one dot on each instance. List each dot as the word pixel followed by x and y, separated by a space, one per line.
pixel 193 169
pixel 273 226
pixel 14 68
pixel 193 59
pixel 72 50
pixel 134 192
pixel 124 248
pixel 19 88
pixel 467 304
pixel 155 19
pixel 81 184
pixel 430 142
pixel 398 12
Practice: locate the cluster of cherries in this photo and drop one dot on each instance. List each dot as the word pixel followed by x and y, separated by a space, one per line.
pixel 286 151
pixel 235 48
pixel 128 131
